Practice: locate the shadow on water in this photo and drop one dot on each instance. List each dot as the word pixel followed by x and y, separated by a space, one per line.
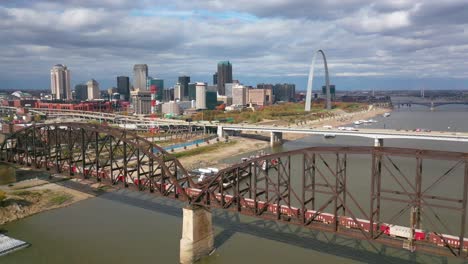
pixel 233 223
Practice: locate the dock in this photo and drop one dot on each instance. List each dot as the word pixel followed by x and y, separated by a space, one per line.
pixel 8 244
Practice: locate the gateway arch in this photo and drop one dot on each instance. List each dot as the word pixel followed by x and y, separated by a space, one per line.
pixel 311 78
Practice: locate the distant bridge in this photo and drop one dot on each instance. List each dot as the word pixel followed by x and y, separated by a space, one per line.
pixel 431 104
pixel 377 134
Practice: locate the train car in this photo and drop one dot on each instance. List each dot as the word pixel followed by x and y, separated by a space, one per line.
pixel 284 210
pixel 250 203
pixel 321 217
pixel 402 231
pixel 349 222
pixel 453 241
pixel 326 218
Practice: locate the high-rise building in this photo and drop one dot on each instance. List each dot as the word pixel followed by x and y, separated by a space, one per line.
pixel 81 92
pixel 332 91
pixel 211 100
pixel 93 90
pixel 228 89
pixel 140 73
pixel 123 87
pixel 192 92
pixel 200 95
pixel 178 92
pixel 159 85
pixel 224 76
pixel 260 96
pixel 141 100
pixel 284 92
pixel 239 95
pixel 60 82
pixel 184 82
pixel 215 78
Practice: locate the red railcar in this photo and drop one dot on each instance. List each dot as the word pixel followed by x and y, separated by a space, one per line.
pixel 453 241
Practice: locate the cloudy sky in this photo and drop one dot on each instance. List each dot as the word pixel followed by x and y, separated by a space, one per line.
pixel 369 44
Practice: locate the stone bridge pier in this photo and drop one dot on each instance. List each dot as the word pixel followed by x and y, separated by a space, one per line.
pixel 197 234
pixel 276 138
pixel 378 142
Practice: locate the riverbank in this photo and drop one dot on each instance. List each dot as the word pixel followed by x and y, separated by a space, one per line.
pixel 340 118
pixel 212 158
pixel 33 196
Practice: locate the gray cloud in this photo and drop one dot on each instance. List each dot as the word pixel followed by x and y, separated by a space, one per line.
pixel 262 38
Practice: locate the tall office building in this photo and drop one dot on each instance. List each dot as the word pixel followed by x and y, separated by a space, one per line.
pixel 60 82
pixel 184 82
pixel 239 95
pixel 224 76
pixel 178 92
pixel 200 95
pixel 192 91
pixel 141 100
pixel 81 92
pixel 123 87
pixel 93 90
pixel 283 92
pixel 140 73
pixel 159 85
pixel 215 78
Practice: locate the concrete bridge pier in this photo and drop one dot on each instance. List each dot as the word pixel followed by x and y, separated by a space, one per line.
pixel 378 142
pixel 432 106
pixel 220 132
pixel 276 138
pixel 197 234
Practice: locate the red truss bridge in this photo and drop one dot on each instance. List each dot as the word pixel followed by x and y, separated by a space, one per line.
pixel 410 198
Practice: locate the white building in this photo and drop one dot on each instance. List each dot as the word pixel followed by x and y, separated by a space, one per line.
pixel 140 73
pixel 239 95
pixel 93 90
pixel 178 92
pixel 171 108
pixel 141 100
pixel 60 82
pixel 200 89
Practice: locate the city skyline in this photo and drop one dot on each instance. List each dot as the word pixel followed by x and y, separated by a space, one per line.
pixel 389 44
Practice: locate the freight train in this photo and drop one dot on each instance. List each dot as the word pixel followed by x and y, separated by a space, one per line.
pixel 391 230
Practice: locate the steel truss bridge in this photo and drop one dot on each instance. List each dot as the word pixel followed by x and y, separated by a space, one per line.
pixel 357 192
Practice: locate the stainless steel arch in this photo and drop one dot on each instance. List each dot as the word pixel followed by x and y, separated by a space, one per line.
pixel 310 81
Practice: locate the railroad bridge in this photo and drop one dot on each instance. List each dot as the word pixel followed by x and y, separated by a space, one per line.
pixel 394 196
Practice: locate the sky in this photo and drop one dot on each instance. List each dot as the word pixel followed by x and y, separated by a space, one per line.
pixel 382 44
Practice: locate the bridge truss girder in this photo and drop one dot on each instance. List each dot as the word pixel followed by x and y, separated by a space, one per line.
pixel 307 187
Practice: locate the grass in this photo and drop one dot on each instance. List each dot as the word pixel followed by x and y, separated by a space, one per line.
pixel 2 195
pixel 289 112
pixel 203 149
pixel 60 198
pixel 22 193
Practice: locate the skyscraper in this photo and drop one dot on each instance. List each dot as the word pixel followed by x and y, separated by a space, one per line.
pixel 224 76
pixel 200 95
pixel 192 91
pixel 159 85
pixel 215 78
pixel 140 73
pixel 178 92
pixel 123 86
pixel 184 81
pixel 81 92
pixel 60 82
pixel 93 90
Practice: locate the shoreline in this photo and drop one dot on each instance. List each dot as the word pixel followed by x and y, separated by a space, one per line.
pixel 30 197
pixel 340 119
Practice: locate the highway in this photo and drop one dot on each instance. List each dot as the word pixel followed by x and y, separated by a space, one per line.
pixel 367 133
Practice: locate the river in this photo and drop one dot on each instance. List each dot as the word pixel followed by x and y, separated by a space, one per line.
pixel 129 227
